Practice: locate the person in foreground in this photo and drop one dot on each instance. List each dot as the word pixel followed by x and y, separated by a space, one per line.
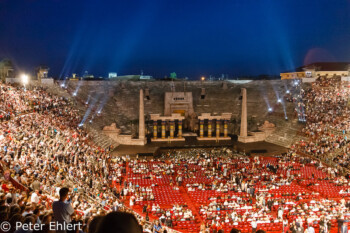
pixel 119 222
pixel 62 210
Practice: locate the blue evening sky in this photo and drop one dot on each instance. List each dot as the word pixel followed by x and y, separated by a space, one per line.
pixel 192 37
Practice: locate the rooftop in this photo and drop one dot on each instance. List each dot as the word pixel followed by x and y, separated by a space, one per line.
pixel 324 66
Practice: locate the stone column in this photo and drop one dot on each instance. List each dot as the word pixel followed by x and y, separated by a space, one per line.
pixel 209 129
pixel 172 126
pixel 163 129
pixel 225 128
pixel 155 129
pixel 218 128
pixel 141 117
pixel 179 133
pixel 201 128
pixel 244 132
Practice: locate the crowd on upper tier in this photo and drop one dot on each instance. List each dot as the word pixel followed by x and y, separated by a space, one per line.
pixel 43 150
pixel 324 105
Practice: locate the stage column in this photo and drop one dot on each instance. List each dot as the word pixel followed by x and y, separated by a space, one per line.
pixel 218 123
pixel 201 128
pixel 163 129
pixel 142 118
pixel 244 128
pixel 209 128
pixel 225 128
pixel 172 126
pixel 155 129
pixel 179 133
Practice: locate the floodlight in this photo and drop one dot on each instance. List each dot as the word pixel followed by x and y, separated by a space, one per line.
pixel 24 79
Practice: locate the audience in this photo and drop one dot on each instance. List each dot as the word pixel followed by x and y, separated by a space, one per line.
pixel 53 172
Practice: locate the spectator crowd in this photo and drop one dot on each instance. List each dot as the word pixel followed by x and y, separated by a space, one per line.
pixel 53 172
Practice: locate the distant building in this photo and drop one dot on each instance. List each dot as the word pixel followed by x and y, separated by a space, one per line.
pixel 112 75
pixel 145 77
pixel 6 69
pixel 74 77
pixel 135 77
pixel 314 70
pixel 88 76
pixel 42 72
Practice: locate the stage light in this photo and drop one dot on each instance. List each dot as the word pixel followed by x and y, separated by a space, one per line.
pixel 62 85
pixel 81 124
pixel 287 91
pixel 90 121
pixel 74 94
pixel 270 109
pixel 279 101
pixel 99 112
pixel 24 79
pixel 86 102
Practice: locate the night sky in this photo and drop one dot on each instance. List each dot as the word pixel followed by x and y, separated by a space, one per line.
pixel 192 38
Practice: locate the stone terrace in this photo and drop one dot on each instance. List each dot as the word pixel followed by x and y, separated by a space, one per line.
pixel 122 101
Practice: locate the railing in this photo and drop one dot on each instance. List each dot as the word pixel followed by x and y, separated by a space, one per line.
pixel 14 182
pixel 18 185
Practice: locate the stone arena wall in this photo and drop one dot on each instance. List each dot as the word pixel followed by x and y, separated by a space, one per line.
pixel 121 100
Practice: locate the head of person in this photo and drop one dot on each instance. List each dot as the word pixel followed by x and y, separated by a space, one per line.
pixel 64 193
pixel 15 209
pixel 3 215
pixel 94 224
pixel 29 220
pixel 46 218
pixel 16 218
pixel 120 222
pixel 235 230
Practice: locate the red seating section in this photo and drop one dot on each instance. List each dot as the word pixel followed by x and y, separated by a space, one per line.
pixel 302 189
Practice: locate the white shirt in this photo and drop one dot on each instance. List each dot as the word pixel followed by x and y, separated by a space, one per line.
pixel 254 224
pixel 34 198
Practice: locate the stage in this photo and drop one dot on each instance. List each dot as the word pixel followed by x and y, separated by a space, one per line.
pixel 155 148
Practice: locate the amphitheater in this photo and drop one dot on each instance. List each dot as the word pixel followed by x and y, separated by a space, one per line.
pixel 196 156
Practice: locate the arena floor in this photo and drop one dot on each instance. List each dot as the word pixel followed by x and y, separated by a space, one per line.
pixel 308 194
